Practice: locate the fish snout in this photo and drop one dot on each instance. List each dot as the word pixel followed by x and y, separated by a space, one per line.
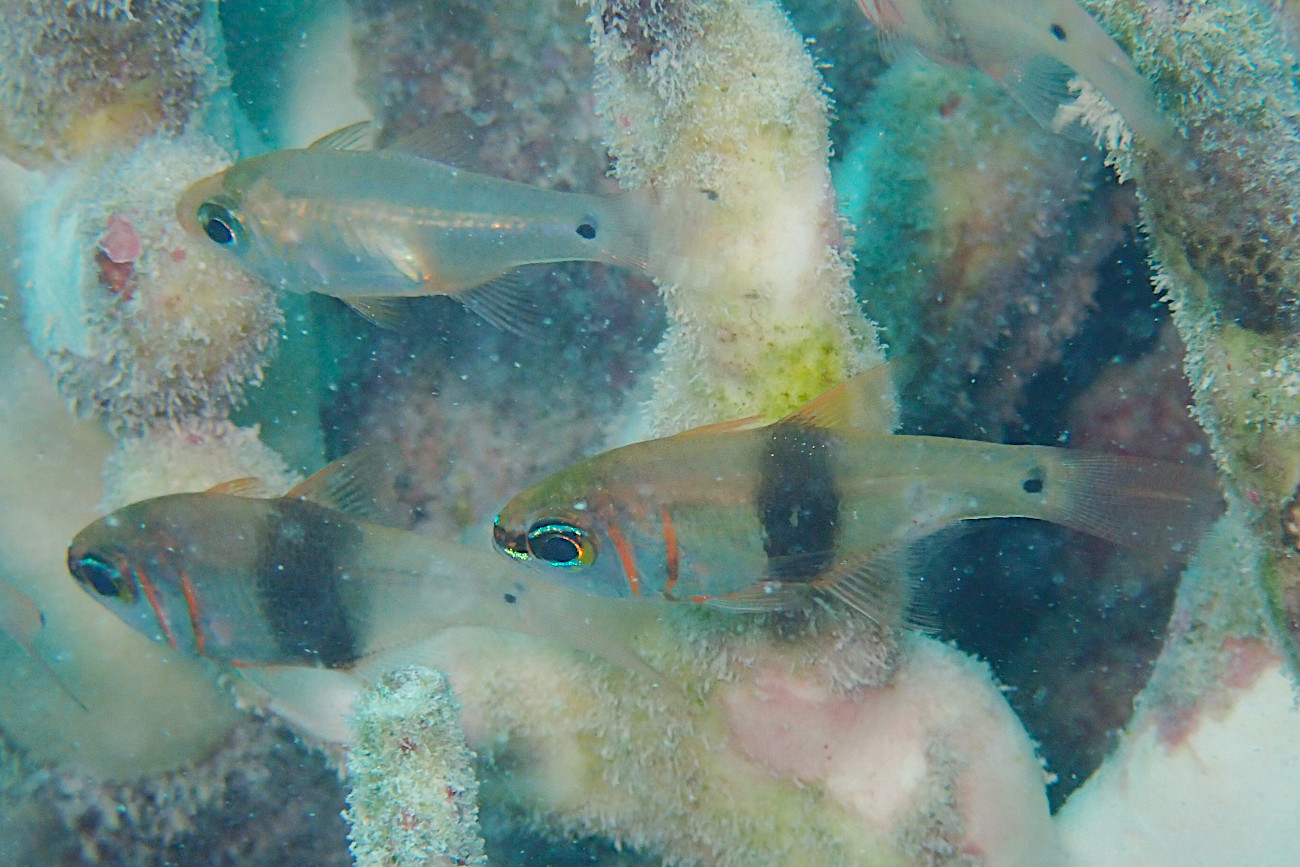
pixel 511 543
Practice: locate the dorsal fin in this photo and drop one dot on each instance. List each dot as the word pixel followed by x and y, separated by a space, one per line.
pixel 451 139
pixel 865 403
pixel 358 485
pixel 248 486
pixel 734 425
pixel 353 137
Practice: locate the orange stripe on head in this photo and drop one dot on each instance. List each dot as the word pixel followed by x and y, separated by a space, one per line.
pixel 192 603
pixel 673 554
pixel 151 593
pixel 629 562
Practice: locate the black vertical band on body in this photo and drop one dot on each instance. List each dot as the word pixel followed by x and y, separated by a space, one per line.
pixel 797 501
pixel 299 574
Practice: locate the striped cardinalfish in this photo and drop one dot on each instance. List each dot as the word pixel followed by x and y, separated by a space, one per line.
pixel 826 500
pixel 309 579
pixel 1031 48
pixel 367 226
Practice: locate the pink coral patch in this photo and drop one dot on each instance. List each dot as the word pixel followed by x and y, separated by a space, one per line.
pixel 120 242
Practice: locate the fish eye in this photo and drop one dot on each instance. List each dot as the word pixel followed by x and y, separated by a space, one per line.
pixel 561 544
pixel 1059 32
pixel 221 226
pixel 103 577
pixel 587 228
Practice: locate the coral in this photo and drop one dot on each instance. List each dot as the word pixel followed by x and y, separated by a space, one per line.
pixel 149 709
pixel 963 204
pixel 413 786
pixel 1224 240
pixel 470 424
pixel 190 455
pixel 760 312
pixel 136 319
pixel 260 799
pixel 811 740
pixel 771 763
pixel 79 76
pixel 520 70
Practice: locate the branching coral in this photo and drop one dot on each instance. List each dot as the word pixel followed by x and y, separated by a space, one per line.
pixel 137 320
pixel 761 316
pixel 409 747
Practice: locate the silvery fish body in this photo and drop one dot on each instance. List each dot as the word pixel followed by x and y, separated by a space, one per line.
pixel 363 225
pixel 749 517
pixel 1026 45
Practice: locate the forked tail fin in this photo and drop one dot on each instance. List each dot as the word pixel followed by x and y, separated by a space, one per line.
pixel 1137 502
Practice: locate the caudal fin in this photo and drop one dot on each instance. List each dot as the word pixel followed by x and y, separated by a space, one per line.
pixel 1145 504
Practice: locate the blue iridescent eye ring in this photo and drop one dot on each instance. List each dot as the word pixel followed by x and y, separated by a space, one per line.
pixel 561 544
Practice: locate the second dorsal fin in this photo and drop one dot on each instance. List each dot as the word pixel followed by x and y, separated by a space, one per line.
pixel 865 403
pixel 452 139
pixel 247 486
pixel 353 137
pixel 358 485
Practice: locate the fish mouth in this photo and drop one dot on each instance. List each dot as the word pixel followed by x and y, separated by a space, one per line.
pixel 510 543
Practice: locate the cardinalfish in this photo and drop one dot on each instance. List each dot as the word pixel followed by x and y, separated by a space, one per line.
pixel 1031 48
pixel 310 580
pixel 826 500
pixel 367 226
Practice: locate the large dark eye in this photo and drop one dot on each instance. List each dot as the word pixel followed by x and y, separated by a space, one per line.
pixel 587 228
pixel 219 224
pixel 102 577
pixel 561 544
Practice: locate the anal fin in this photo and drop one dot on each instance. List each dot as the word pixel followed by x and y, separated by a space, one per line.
pixel 1041 86
pixel 504 302
pixel 879 586
pixel 384 311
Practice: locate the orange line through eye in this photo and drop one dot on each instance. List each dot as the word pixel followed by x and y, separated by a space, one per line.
pixel 629 562
pixel 674 555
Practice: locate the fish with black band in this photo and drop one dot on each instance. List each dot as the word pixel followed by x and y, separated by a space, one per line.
pixel 752 516
pixel 312 579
